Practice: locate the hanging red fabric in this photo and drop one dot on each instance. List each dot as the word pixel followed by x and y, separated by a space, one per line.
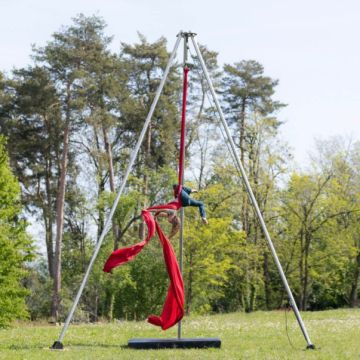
pixel 183 127
pixel 173 309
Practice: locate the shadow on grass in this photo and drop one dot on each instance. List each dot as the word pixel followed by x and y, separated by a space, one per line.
pixel 66 347
pixel 96 345
pixel 24 346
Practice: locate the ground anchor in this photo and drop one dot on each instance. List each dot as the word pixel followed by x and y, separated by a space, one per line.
pixel 184 343
pixel 57 345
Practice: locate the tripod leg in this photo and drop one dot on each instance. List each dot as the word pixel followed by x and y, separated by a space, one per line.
pixel 252 197
pixel 58 344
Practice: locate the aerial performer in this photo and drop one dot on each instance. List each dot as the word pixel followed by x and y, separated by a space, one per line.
pixel 186 200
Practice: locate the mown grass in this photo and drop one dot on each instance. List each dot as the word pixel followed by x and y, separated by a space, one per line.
pixel 260 335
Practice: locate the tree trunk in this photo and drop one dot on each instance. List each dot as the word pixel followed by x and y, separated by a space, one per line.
pixel 203 149
pixel 111 307
pixel 244 206
pixel 355 284
pixel 190 281
pixel 242 130
pixel 146 178
pixel 101 220
pixel 306 272
pixel 116 231
pixel 101 187
pixel 301 269
pixel 48 218
pixel 110 159
pixel 60 200
pixel 267 280
pixel 252 302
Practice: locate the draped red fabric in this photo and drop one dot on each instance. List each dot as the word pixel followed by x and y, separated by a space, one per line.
pixel 173 309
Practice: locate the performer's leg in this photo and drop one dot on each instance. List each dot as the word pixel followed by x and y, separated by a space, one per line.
pixel 200 205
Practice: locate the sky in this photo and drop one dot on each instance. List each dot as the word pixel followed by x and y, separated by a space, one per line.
pixel 312 47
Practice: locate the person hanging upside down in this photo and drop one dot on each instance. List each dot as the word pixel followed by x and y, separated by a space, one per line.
pixel 172 219
pixel 186 200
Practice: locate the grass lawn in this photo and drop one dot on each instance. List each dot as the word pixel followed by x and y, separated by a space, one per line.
pixel 260 335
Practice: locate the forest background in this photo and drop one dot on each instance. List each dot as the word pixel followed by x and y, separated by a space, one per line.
pixel 69 121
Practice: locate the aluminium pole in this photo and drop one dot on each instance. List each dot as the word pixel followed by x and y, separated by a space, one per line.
pixel 58 344
pixel 182 212
pixel 253 199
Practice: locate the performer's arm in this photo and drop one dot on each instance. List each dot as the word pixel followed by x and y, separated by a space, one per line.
pixel 175 226
pixel 161 214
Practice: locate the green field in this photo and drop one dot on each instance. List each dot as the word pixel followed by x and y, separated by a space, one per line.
pixel 260 335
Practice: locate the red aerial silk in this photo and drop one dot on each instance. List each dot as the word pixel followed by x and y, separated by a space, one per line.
pixel 173 309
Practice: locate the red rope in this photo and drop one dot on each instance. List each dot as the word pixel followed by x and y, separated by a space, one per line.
pixel 183 127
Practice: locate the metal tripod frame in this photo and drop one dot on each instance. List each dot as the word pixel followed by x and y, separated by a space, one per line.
pixel 185 35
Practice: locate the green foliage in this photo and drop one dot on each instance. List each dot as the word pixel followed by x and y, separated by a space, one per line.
pixel 15 245
pixel 138 288
pixel 39 286
pixel 143 285
pixel 319 257
pixel 211 254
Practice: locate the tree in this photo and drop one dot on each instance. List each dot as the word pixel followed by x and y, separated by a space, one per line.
pixel 16 246
pixel 145 63
pixel 251 109
pixel 32 126
pixel 246 91
pixel 105 89
pixel 312 209
pixel 341 156
pixel 65 57
pixel 210 256
pixel 248 94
